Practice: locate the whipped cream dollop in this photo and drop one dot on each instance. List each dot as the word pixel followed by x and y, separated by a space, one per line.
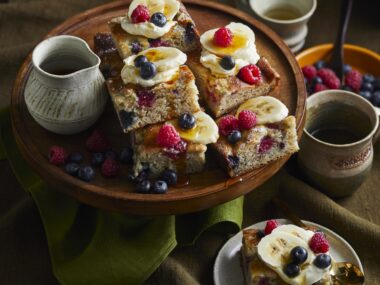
pixel 166 59
pixel 147 29
pixel 242 49
pixel 274 250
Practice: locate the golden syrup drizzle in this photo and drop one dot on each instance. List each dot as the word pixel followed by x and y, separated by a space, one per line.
pixel 238 42
pixel 154 55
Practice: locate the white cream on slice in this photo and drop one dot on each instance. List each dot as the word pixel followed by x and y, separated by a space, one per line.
pixel 147 29
pixel 166 59
pixel 242 49
pixel 274 250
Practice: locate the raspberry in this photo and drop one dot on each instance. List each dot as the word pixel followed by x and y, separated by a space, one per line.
pixel 353 79
pixel 175 151
pixel 265 144
pixel 146 98
pixel 250 74
pixel 158 43
pixel 168 136
pixel 319 87
pixel 57 155
pixel 227 124
pixel 223 37
pixel 97 142
pixel 247 120
pixel 110 168
pixel 309 71
pixel 332 82
pixel 327 75
pixel 318 243
pixel 140 14
pixel 270 226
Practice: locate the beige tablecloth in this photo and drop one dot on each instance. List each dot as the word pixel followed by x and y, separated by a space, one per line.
pixel 24 258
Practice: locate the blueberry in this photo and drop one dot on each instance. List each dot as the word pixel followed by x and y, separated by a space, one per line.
pixel 233 161
pixel 143 187
pixel 186 121
pixel 131 177
pixel 320 64
pixel 316 80
pixel 136 47
pixel 169 176
pixel 227 62
pixel 159 187
pixel 260 234
pixel 368 78
pixel 127 118
pixel 322 261
pixel 365 94
pixel 143 175
pixel 376 98
pixel 158 19
pixel 376 83
pixel 346 68
pixel 72 168
pixel 97 159
pixel 139 60
pixel 75 157
pixel 148 70
pixel 234 136
pixel 111 154
pixel 367 86
pixel 86 173
pixel 298 254
pixel 346 88
pixel 292 270
pixel 190 33
pixel 126 155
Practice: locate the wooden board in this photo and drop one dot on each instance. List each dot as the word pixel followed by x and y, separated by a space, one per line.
pixel 207 189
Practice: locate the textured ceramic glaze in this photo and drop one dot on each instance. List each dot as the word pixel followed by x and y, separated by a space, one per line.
pixel 69 103
pixel 338 169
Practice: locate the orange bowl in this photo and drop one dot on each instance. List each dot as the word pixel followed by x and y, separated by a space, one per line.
pixel 361 59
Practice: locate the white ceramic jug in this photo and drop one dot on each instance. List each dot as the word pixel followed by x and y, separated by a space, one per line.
pixel 65 91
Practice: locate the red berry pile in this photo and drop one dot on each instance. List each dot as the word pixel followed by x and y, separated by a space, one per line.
pixel 319 77
pixel 270 226
pixel 231 127
pixel 250 74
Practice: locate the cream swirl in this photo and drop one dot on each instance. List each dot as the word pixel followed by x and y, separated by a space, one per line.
pixel 147 29
pixel 166 59
pixel 242 49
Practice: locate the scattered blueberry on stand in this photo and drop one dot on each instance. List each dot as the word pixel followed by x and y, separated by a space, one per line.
pixel 75 157
pixel 111 154
pixel 320 77
pixel 86 173
pixel 143 187
pixel 72 168
pixel 126 155
pixel 159 187
pixel 97 159
pixel 170 177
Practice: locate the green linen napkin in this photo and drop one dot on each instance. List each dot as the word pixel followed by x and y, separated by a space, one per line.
pixel 92 246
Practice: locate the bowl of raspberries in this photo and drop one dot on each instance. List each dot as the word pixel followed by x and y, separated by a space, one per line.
pixel 361 71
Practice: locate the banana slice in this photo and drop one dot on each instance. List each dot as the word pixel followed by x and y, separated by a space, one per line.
pixel 275 248
pixel 205 131
pixel 243 37
pixel 267 109
pixel 169 8
pixel 296 231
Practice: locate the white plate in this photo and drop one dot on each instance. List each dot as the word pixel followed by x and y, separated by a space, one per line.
pixel 227 269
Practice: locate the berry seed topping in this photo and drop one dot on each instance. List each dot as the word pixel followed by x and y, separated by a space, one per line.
pixel 247 119
pixel 168 136
pixel 140 14
pixel 318 243
pixel 57 155
pixel 250 74
pixel 227 124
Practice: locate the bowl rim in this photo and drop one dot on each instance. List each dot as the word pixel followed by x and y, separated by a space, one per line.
pixel 330 46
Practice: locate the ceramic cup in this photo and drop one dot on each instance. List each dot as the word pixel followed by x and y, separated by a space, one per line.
pixel 288 18
pixel 336 149
pixel 65 91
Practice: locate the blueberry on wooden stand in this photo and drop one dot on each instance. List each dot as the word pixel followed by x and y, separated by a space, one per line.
pixel 148 70
pixel 97 159
pixel 75 157
pixel 186 121
pixel 227 62
pixel 139 60
pixel 86 173
pixel 159 187
pixel 72 168
pixel 126 155
pixel 143 187
pixel 170 177
pixel 158 19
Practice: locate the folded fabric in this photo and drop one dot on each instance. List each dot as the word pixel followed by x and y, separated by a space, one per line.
pixel 93 246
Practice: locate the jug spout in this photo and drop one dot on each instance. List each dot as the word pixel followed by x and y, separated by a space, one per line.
pixel 64 56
